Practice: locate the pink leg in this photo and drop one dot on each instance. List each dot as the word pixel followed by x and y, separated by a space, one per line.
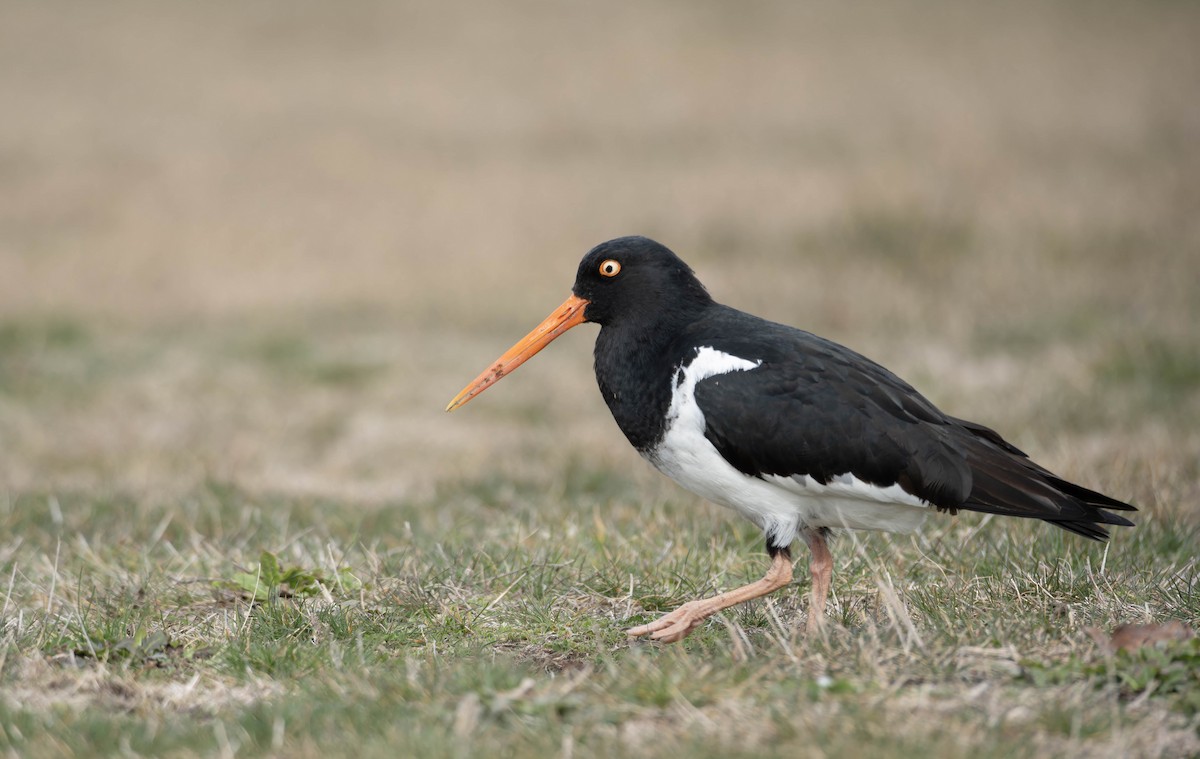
pixel 675 626
pixel 821 566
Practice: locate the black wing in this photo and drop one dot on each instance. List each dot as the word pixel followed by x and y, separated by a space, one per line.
pixel 816 408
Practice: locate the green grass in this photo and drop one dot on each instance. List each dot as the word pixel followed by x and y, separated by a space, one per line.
pixel 490 617
pixel 1165 374
pixel 292 357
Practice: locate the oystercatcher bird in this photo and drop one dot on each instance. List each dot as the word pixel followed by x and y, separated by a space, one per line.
pixel 797 433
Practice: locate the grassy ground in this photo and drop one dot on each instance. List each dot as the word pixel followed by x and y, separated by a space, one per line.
pixel 247 253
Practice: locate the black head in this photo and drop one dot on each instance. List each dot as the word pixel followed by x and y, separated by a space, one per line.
pixel 636 277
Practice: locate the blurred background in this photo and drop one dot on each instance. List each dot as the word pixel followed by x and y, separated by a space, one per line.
pixel 264 243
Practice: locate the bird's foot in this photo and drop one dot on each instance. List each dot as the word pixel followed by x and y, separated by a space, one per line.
pixel 816 620
pixel 675 626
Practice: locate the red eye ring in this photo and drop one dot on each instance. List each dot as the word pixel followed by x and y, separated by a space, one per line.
pixel 610 268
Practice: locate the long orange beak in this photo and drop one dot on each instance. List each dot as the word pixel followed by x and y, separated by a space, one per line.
pixel 569 314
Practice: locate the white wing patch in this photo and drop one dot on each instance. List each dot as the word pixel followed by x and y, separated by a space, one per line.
pixel 781 506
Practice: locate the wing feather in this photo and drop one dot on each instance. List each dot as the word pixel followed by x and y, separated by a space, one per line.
pixel 813 407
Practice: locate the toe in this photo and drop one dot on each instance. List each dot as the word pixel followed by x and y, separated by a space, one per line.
pixel 674 633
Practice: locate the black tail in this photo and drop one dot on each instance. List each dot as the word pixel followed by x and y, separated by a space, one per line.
pixel 1006 482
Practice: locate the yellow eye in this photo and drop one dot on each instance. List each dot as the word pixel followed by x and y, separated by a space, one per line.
pixel 610 268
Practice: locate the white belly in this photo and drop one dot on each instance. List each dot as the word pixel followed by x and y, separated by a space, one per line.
pixel 782 506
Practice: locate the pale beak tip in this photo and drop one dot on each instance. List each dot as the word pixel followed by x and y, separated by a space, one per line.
pixel 566 316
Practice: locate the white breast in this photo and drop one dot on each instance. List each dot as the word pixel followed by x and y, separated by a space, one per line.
pixel 780 505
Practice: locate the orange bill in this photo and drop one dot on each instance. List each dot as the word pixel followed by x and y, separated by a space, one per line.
pixel 569 314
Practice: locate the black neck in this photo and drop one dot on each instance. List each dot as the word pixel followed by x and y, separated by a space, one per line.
pixel 635 362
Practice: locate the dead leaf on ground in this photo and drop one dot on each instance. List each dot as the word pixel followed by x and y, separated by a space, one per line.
pixel 1128 637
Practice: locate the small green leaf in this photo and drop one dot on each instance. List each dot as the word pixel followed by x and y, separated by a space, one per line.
pixel 270 579
pixel 268 565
